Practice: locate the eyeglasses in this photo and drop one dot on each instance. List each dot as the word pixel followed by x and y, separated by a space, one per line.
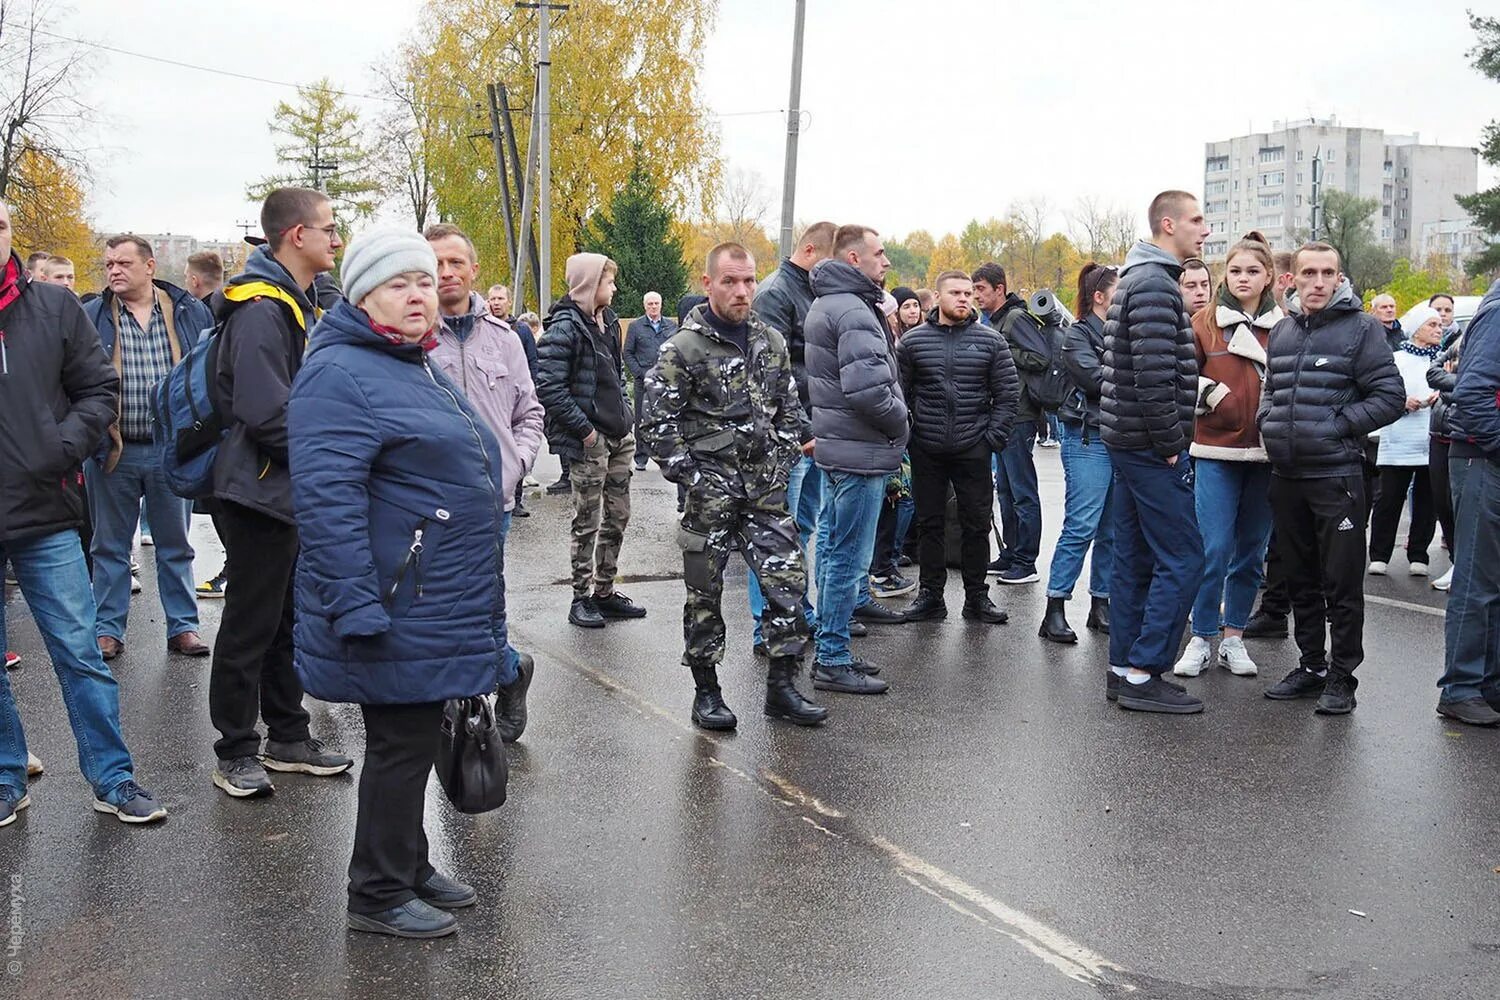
pixel 331 230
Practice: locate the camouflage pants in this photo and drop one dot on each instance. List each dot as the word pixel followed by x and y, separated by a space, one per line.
pixel 601 510
pixel 713 525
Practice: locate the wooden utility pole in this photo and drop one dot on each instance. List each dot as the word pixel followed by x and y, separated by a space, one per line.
pixel 497 142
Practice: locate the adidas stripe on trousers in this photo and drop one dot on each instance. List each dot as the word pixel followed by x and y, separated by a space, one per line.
pixel 1320 532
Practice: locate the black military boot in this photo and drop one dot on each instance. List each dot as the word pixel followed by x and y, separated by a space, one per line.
pixel 709 710
pixel 1055 627
pixel 1099 615
pixel 784 701
pixel 928 606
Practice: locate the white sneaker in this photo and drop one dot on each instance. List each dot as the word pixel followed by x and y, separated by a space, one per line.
pixel 1418 569
pixel 33 765
pixel 1378 568
pixel 135 585
pixel 1443 582
pixel 1194 658
pixel 1235 658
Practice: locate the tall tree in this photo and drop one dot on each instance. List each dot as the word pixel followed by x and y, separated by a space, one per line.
pixel 47 198
pixel 949 255
pixel 625 73
pixel 988 240
pixel 636 232
pixel 1484 206
pixel 319 142
pixel 40 113
pixel 403 135
pixel 1349 228
pixel 907 266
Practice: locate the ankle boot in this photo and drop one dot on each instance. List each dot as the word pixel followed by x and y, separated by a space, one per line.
pixel 784 701
pixel 709 710
pixel 1055 627
pixel 1099 615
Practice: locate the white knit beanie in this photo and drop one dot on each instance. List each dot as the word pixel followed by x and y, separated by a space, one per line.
pixel 378 255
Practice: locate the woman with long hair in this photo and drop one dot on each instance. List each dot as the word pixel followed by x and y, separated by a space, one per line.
pixel 1087 471
pixel 1232 472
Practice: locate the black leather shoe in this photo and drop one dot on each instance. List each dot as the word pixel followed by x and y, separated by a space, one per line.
pixel 784 701
pixel 864 666
pixel 845 679
pixel 1154 696
pixel 1055 627
pixel 876 613
pixel 858 630
pixel 1098 615
pixel 557 489
pixel 584 614
pixel 983 610
pixel 1300 683
pixel 446 893
pixel 1266 626
pixel 928 607
pixel 510 701
pixel 412 919
pixel 618 606
pixel 1337 697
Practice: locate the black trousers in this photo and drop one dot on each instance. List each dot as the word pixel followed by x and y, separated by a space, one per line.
pixel 390 846
pixel 1442 490
pixel 1320 532
pixel 1276 598
pixel 969 475
pixel 883 562
pixel 252 667
pixel 1395 481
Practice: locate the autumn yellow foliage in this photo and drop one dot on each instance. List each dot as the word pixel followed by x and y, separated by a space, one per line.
pixel 48 215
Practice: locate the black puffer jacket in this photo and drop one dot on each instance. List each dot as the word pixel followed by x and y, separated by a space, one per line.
pixel 1083 351
pixel 58 394
pixel 567 377
pixel 1149 377
pixel 1330 381
pixel 782 302
pixel 960 385
pixel 1444 421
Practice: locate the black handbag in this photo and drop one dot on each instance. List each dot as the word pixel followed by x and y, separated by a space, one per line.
pixel 471 764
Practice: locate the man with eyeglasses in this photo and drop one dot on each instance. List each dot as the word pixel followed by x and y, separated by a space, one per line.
pixel 266 314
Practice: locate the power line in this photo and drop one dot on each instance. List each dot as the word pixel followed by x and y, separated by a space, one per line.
pixel 358 95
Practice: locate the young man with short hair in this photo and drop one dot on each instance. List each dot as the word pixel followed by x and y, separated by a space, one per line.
pixel 722 414
pixel 860 429
pixel 34 264
pixel 1330 381
pixel 52 361
pixel 58 270
pixel 1016 484
pixel 1149 379
pixel 204 274
pixel 1197 284
pixel 581 384
pixel 145 325
pixel 483 357
pixel 267 313
pixel 963 392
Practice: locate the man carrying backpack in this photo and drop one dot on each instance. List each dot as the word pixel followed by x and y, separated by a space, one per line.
pixel 265 316
pixel 1015 476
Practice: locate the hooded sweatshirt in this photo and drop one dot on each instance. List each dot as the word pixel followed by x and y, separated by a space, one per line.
pixel 578 365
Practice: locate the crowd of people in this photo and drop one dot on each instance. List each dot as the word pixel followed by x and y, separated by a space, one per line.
pixel 1217 441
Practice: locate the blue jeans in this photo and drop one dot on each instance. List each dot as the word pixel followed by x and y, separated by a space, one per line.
pixel 846 541
pixel 1233 501
pixel 1089 476
pixel 1020 501
pixel 55 581
pixel 1158 559
pixel 804 495
pixel 511 659
pixel 115 501
pixel 1471 655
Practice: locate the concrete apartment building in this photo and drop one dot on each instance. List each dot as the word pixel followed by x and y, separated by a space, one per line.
pixel 1264 181
pixel 173 250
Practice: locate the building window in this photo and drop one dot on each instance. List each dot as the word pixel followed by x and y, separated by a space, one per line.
pixel 1333 154
pixel 1275 178
pixel 1385 211
pixel 1270 201
pixel 1299 156
pixel 1216 187
pixel 1217 207
pixel 1272 154
pixel 1387 169
pixel 1299 201
pixel 1216 164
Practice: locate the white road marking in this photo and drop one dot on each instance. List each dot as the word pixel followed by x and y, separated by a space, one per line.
pixel 1053 947
pixel 1391 602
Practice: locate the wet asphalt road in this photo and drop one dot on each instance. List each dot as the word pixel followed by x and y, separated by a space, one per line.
pixel 991 828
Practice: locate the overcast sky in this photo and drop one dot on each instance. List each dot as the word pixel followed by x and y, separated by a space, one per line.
pixel 918 115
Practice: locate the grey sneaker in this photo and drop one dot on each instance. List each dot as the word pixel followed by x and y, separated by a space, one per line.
pixel 130 803
pixel 305 757
pixel 9 809
pixel 243 778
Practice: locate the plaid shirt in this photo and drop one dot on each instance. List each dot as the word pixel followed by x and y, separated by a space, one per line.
pixel 145 359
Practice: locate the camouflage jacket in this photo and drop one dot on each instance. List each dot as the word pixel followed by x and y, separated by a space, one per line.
pixel 713 415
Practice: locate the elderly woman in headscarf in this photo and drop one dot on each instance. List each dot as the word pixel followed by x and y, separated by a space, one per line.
pixel 397 488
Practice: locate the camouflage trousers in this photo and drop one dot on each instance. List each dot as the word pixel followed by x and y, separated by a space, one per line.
pixel 713 525
pixel 601 510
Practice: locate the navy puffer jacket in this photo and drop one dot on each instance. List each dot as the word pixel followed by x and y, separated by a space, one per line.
pixel 961 385
pixel 395 480
pixel 858 412
pixel 1149 378
pixel 1330 381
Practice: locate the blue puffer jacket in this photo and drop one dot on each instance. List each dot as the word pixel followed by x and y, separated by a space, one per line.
pixel 395 481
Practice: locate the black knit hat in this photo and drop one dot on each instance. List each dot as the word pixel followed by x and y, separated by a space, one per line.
pixel 902 294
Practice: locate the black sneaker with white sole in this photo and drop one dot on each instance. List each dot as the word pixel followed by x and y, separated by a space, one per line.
pixel 1157 696
pixel 1112 682
pixel 876 613
pixel 1018 574
pixel 243 778
pixel 304 757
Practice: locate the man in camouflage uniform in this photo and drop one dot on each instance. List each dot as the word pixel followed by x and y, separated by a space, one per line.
pixel 723 418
